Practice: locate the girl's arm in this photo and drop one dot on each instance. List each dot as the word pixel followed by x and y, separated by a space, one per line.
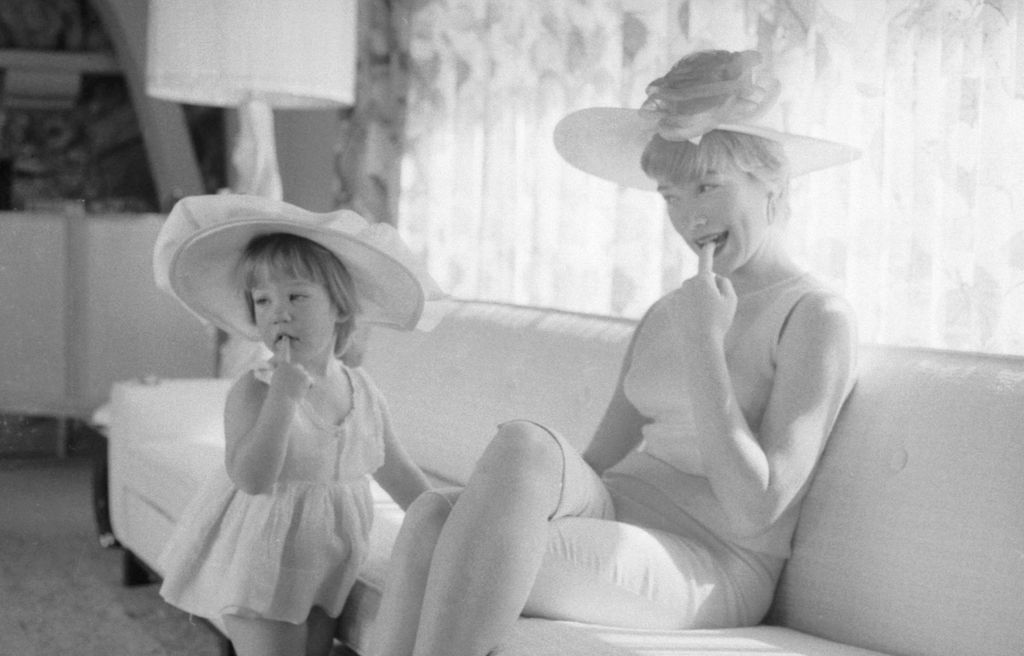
pixel 619 430
pixel 399 475
pixel 757 477
pixel 256 421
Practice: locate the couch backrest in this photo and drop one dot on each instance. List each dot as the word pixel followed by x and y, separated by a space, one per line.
pixel 911 538
pixel 488 363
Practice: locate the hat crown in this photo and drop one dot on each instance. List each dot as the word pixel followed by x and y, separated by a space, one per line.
pixel 345 221
pixel 708 89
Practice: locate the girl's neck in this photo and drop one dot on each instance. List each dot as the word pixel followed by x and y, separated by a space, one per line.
pixel 320 368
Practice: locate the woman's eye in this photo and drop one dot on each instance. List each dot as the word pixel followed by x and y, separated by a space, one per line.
pixel 297 297
pixel 260 301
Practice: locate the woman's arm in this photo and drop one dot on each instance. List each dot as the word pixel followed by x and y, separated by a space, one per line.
pixel 256 420
pixel 400 476
pixel 757 477
pixel 620 429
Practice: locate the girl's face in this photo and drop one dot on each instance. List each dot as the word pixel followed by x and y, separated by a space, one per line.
pixel 726 208
pixel 300 310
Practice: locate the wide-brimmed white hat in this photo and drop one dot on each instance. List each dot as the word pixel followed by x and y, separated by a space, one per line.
pixel 704 91
pixel 199 247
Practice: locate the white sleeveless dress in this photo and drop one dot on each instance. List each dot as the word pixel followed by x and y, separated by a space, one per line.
pixel 277 555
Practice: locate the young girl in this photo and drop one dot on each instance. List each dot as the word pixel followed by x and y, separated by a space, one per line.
pixel 273 544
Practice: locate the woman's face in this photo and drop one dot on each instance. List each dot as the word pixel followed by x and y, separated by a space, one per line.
pixel 728 208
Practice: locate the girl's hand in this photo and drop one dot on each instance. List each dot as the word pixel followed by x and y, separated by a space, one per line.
pixel 706 303
pixel 290 377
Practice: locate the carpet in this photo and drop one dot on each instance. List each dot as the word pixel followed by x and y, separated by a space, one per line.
pixel 60 591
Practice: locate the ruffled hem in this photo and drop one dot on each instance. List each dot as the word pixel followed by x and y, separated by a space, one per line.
pixel 271 556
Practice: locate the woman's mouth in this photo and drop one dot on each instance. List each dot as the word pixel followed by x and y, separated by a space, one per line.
pixel 717 238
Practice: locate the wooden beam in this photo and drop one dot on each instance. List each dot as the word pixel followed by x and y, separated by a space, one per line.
pixel 44 60
pixel 172 158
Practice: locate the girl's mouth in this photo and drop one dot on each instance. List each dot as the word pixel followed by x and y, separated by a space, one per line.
pixel 718 239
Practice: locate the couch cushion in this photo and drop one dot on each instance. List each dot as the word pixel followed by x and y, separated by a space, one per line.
pixel 153 410
pixel 157 459
pixel 911 537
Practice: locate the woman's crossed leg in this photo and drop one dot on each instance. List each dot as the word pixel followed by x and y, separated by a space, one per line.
pixel 463 572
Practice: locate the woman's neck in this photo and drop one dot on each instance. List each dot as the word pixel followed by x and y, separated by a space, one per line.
pixel 769 267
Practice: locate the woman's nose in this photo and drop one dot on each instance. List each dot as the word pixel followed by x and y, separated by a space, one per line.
pixel 697 222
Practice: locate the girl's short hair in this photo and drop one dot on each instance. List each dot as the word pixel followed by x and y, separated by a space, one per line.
pixel 718 150
pixel 283 253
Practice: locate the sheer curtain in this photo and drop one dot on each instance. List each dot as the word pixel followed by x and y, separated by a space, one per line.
pixel 922 234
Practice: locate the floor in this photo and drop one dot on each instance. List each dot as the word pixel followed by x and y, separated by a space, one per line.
pixel 60 591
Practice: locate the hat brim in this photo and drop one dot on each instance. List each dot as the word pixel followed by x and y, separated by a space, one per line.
pixel 609 141
pixel 197 255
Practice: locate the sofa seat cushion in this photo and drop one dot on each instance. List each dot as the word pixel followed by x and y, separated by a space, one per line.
pixel 532 637
pixel 760 640
pixel 150 485
pixel 170 473
pixel 165 439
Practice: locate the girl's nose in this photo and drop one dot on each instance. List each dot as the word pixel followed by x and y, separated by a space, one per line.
pixel 281 313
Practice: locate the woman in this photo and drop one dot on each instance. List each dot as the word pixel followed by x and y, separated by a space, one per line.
pixel 681 511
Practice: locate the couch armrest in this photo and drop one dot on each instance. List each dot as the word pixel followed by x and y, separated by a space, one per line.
pixel 190 409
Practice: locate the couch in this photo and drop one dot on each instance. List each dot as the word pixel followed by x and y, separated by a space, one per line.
pixel 911 539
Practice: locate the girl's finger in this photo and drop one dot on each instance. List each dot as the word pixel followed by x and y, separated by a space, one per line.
pixel 283 348
pixel 707 259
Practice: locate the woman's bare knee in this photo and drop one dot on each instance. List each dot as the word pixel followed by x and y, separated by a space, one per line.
pixel 421 527
pixel 521 465
pixel 522 448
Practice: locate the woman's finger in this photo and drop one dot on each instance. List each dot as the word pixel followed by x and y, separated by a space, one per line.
pixel 725 286
pixel 707 259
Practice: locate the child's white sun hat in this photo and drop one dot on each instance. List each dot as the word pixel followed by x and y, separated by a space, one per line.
pixel 704 91
pixel 200 244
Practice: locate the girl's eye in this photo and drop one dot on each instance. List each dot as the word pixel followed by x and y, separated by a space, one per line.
pixel 260 301
pixel 704 187
pixel 297 297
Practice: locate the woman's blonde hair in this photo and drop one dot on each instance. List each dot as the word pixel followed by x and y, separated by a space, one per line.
pixel 283 253
pixel 720 150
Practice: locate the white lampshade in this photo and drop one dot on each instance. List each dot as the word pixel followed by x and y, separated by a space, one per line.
pixel 284 53
pixel 255 55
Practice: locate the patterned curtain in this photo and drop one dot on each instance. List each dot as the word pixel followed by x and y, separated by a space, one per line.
pixel 921 234
pixel 369 141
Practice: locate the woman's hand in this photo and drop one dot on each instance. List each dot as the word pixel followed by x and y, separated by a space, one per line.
pixel 706 303
pixel 290 378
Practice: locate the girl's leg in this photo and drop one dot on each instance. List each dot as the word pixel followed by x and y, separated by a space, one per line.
pixel 398 617
pixel 490 549
pixel 260 637
pixel 319 632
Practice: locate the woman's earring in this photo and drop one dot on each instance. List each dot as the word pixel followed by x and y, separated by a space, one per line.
pixel 769 210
